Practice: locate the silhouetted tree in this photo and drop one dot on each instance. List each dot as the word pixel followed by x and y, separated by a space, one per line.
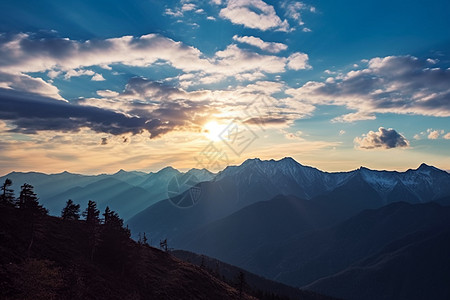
pixel 71 211
pixel 241 283
pixel 93 221
pixel 7 194
pixel 114 241
pixel 29 201
pixel 143 240
pixel 163 245
pixel 92 213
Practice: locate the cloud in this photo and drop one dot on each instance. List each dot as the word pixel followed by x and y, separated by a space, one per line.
pixel 98 77
pixel 293 11
pixel 341 132
pixel 393 84
pixel 382 139
pixel 298 61
pixel 26 83
pixel 23 53
pixel 447 136
pixel 30 113
pixel 433 134
pixel 77 73
pixel 271 47
pixel 254 14
pixel 104 141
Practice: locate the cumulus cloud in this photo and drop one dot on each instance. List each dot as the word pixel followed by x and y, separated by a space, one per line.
pixel 255 14
pixel 433 135
pixel 298 61
pixel 393 84
pixel 271 47
pixel 447 136
pixel 382 139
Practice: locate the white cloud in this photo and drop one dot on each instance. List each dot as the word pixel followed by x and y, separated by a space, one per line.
pixel 434 134
pixel 447 136
pixel 26 83
pixel 298 61
pixel 188 7
pixel 341 132
pixel 98 77
pixel 70 57
pixel 173 13
pixel 271 47
pixel 293 10
pixel 253 14
pixel 78 73
pixel 25 54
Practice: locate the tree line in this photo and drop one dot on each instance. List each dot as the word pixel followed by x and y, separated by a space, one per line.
pixel 107 239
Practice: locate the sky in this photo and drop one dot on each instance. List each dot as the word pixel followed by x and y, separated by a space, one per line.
pixel 97 86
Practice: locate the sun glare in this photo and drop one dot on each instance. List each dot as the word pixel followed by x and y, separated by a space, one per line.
pixel 212 130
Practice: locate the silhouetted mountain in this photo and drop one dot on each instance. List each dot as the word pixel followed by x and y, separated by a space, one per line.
pixel 237 238
pixel 310 257
pixel 58 266
pixel 415 267
pixel 281 239
pixel 256 285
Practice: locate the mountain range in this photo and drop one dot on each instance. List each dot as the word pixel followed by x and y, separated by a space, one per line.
pixel 287 222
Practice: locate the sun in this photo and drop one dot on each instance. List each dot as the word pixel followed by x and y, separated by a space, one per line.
pixel 212 130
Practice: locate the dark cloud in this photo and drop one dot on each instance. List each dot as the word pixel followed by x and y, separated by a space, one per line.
pixel 383 139
pixel 393 84
pixel 31 113
pixel 104 141
pixel 267 120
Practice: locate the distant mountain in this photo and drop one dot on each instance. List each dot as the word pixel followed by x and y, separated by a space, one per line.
pixel 413 268
pixel 347 193
pixel 126 192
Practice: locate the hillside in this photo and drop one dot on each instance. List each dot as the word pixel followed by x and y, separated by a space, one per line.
pixel 261 285
pixel 58 266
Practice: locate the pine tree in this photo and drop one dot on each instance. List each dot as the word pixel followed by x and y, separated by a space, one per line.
pixel 29 201
pixel 7 194
pixel 93 221
pixel 114 241
pixel 92 213
pixel 71 211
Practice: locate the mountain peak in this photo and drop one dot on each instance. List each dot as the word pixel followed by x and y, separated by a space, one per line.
pixel 121 171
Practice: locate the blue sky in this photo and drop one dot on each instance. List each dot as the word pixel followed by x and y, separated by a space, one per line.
pixel 97 86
